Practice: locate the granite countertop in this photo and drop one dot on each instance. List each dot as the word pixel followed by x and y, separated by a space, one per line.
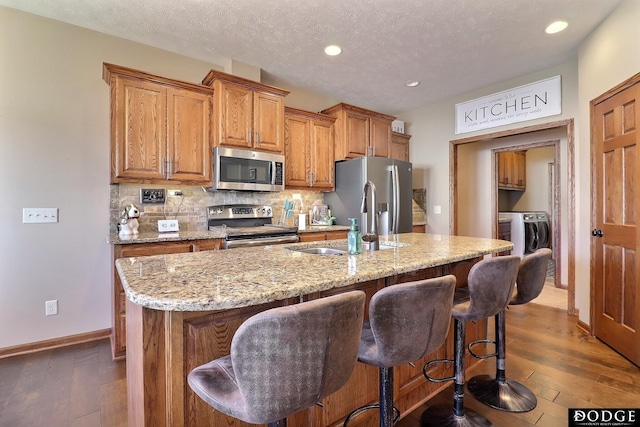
pixel 154 236
pixel 216 280
pixel 320 228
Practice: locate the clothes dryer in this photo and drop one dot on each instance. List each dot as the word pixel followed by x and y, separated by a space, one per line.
pixel 530 231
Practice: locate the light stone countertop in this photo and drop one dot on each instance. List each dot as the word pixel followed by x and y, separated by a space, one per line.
pixel 154 237
pixel 225 279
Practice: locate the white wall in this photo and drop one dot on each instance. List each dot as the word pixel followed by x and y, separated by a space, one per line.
pixel 609 56
pixel 54 152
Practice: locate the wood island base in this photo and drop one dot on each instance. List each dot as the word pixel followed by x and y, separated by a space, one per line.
pixel 164 346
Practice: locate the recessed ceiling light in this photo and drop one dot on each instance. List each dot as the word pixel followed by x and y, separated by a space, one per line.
pixel 333 50
pixel 412 83
pixel 556 27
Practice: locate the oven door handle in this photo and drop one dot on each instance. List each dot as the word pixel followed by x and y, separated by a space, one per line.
pixel 243 243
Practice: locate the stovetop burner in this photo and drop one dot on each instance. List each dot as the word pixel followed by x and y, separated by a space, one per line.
pixel 245 220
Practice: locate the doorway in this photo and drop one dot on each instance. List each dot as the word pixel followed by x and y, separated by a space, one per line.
pixel 543 193
pixel 565 127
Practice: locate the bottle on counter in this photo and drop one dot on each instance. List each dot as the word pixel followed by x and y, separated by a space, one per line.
pixel 354 238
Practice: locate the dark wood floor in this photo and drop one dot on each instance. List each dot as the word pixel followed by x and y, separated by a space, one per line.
pixel 81 386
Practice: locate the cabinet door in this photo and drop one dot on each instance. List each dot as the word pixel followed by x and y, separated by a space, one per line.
pixel 297 131
pixel 322 155
pixel 399 148
pixel 138 130
pixel 520 169
pixel 380 137
pixel 188 136
pixel 235 115
pixel 357 135
pixel 268 122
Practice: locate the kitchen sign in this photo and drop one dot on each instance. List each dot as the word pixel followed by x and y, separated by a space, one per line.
pixel 532 101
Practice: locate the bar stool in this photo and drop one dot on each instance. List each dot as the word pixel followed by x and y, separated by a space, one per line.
pixel 499 392
pixel 406 322
pixel 490 287
pixel 284 359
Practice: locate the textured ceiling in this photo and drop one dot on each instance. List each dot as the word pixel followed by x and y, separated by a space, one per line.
pixel 450 46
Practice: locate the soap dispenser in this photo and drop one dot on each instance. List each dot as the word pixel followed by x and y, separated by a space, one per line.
pixel 354 238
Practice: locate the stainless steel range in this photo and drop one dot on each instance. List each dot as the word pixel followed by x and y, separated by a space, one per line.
pixel 248 225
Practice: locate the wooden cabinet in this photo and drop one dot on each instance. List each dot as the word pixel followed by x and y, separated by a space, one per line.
pixel 247 114
pixel 504 233
pixel 399 148
pixel 316 236
pixel 118 333
pixel 359 132
pixel 420 228
pixel 512 170
pixel 309 150
pixel 160 129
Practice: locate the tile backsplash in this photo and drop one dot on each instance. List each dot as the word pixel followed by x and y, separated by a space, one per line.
pixel 190 208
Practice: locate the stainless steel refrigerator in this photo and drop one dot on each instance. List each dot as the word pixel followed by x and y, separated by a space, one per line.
pixel 394 193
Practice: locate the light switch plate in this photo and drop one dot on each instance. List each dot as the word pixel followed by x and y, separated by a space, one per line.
pixel 39 215
pixel 167 225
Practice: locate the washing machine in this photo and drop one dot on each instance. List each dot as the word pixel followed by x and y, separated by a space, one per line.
pixel 530 231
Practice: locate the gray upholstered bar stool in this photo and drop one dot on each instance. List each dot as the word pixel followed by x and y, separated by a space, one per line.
pixel 284 359
pixel 490 285
pixel 406 322
pixel 499 392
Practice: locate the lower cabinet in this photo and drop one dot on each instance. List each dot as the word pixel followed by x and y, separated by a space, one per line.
pixel 504 233
pixel 316 236
pixel 118 331
pixel 421 228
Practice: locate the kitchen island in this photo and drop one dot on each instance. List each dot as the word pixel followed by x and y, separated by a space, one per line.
pixel 183 309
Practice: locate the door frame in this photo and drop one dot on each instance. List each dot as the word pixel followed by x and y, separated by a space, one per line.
pixel 554 197
pixel 564 125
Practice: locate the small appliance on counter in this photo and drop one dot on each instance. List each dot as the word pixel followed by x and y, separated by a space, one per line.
pixel 320 215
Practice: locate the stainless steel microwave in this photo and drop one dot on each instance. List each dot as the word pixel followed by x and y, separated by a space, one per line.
pixel 236 169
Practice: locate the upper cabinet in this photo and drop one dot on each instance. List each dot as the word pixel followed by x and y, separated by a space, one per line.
pixel 309 150
pixel 512 170
pixel 160 129
pixel 399 148
pixel 247 114
pixel 360 132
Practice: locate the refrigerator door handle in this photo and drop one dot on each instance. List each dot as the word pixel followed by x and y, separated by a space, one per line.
pixel 395 188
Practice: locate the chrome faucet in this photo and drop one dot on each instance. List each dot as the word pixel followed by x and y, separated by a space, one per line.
pixel 372 235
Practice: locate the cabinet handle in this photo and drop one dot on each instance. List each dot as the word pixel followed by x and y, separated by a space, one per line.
pixel 170 169
pixel 506 180
pixel 257 137
pixel 162 167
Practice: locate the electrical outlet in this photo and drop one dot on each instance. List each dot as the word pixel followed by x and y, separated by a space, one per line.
pixel 51 307
pixel 167 225
pixel 174 193
pixel 155 195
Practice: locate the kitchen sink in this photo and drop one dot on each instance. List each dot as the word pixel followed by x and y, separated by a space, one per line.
pixel 342 250
pixel 322 251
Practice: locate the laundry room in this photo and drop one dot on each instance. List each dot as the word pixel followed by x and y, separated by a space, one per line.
pixel 527 203
pixel 518 184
